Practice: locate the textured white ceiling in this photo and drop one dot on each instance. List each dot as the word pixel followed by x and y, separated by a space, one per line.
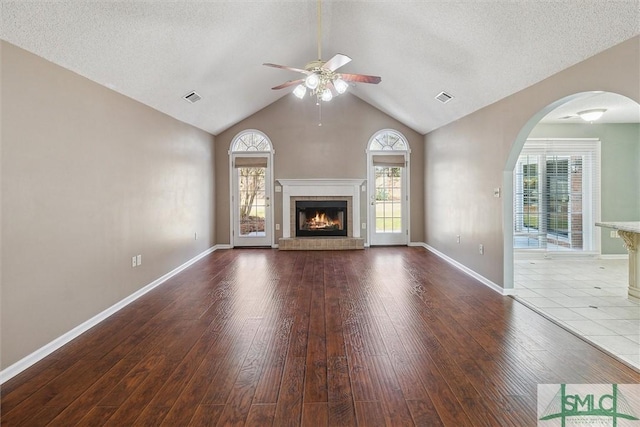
pixel 477 50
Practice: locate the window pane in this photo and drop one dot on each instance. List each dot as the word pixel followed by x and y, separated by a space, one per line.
pixel 388 199
pixel 251 198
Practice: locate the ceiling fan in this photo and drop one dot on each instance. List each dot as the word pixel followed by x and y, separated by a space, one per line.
pixel 321 78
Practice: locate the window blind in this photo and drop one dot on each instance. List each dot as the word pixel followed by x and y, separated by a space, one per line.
pixel 250 162
pixel 393 160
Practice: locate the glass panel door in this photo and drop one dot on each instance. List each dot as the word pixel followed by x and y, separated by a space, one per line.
pixel 388 206
pixel 528 222
pixel 252 207
pixel 549 203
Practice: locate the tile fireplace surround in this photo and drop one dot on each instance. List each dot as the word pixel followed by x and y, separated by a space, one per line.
pixel 320 189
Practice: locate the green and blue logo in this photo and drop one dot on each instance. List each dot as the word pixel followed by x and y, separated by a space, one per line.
pixel 588 405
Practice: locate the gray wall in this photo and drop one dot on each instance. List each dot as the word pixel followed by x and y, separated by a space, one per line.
pixel 305 150
pixel 467 159
pixel 89 179
pixel 620 170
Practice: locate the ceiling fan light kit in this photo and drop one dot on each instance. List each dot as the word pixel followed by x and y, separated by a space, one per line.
pixel 321 79
pixel 591 115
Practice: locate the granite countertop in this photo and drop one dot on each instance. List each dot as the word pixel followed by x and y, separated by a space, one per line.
pixel 630 226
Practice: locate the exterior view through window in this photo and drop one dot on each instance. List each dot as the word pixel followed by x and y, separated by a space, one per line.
pixel 252 200
pixel 388 184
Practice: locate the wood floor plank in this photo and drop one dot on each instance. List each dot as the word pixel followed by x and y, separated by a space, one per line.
pixel 289 406
pixel 370 413
pixel 74 412
pixel 221 385
pixel 396 411
pixel 341 403
pixel 17 389
pixel 315 414
pixel 134 405
pixel 382 336
pixel 239 401
pixel 316 374
pixel 98 416
pixel 205 416
pixel 261 415
pixel 424 413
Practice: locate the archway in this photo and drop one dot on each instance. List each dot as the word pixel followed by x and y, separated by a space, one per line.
pixel 589 307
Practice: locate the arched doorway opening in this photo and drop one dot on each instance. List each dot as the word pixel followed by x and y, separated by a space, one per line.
pixel 578 282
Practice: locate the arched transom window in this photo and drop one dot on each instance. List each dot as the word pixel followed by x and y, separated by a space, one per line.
pixel 388 140
pixel 251 141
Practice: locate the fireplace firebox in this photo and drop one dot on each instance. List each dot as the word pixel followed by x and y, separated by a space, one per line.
pixel 320 218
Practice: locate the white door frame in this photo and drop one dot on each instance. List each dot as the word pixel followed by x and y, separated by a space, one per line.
pixel 268 239
pixel 400 238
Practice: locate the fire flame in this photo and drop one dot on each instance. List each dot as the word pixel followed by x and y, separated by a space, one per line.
pixel 322 221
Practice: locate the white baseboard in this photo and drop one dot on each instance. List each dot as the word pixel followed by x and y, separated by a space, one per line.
pixel 494 286
pixel 613 256
pixel 27 361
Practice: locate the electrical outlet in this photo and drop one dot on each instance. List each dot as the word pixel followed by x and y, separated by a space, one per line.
pixel 277 227
pixel 363 188
pixel 139 259
pixel 134 261
pixel 481 249
pixel 458 238
pixel 364 225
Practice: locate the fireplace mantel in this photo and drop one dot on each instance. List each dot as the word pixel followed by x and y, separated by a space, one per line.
pixel 320 187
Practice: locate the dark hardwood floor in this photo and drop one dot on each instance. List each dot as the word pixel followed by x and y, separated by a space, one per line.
pixel 385 336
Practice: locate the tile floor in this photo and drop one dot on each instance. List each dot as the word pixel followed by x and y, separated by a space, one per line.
pixel 585 295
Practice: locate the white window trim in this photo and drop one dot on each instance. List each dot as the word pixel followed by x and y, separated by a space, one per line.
pixel 593 236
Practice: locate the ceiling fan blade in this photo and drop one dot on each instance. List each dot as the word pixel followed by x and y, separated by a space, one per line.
pixel 360 78
pixel 336 62
pixel 285 67
pixel 287 84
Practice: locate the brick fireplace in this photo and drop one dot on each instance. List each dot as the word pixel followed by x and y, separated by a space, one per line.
pixel 322 192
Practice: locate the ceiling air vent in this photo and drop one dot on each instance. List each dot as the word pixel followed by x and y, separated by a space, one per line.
pixel 444 97
pixel 192 97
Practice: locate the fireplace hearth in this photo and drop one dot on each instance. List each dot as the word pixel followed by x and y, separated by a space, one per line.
pixel 321 218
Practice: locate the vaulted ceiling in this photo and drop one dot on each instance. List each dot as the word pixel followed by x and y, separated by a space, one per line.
pixel 158 51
